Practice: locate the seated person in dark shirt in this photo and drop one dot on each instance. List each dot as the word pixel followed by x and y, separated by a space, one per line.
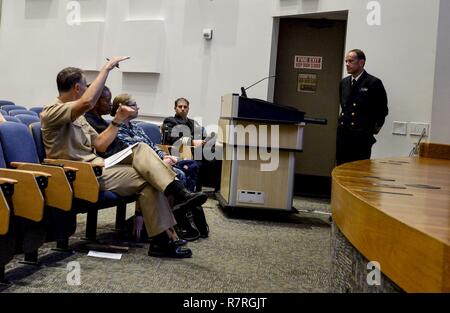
pixel 102 107
pixel 196 134
pixel 180 130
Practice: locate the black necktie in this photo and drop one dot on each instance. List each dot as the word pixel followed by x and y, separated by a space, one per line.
pixel 353 88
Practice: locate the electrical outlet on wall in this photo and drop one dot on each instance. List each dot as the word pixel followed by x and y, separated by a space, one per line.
pixel 400 128
pixel 415 129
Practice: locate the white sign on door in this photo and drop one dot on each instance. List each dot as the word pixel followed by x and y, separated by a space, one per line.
pixel 308 62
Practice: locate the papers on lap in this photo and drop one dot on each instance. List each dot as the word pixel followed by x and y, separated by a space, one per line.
pixel 119 156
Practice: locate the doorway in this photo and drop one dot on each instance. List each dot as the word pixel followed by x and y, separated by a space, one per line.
pixel 308 70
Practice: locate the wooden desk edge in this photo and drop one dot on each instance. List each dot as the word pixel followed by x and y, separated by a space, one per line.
pixel 416 262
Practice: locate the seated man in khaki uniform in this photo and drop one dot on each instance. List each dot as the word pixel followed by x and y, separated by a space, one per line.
pixel 67 135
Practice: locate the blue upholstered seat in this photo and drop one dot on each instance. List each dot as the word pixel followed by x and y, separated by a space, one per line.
pixel 8 240
pixel 9 107
pixel 18 144
pixel 6 102
pixel 15 112
pixel 11 119
pixel 23 236
pixel 2 159
pixel 151 130
pixel 37 137
pixel 37 110
pixel 27 119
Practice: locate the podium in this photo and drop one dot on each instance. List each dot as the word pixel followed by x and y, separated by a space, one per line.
pixel 259 141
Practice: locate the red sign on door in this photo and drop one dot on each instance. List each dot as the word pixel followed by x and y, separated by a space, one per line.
pixel 308 62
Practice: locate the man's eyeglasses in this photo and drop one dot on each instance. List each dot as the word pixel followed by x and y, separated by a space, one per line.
pixel 133 105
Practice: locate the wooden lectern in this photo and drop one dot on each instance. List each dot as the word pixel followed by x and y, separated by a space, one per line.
pixel 257 135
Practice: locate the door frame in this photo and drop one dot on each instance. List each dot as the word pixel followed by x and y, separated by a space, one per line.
pixel 334 15
pixel 306 185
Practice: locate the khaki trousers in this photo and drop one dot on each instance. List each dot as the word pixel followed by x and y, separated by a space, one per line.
pixel 143 174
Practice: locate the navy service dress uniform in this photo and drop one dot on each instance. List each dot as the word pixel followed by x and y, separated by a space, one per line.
pixel 363 111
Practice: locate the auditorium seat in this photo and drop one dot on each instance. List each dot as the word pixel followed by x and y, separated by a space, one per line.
pixel 14 112
pixel 27 119
pixel 11 119
pixel 151 130
pixel 9 107
pixel 7 242
pixel 37 110
pixel 26 230
pixel 18 146
pixel 6 102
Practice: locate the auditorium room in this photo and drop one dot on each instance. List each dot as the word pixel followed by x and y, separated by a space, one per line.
pixel 255 148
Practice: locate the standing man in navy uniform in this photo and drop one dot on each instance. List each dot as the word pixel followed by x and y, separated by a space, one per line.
pixel 364 107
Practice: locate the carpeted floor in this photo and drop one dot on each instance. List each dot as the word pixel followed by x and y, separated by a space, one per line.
pixel 248 252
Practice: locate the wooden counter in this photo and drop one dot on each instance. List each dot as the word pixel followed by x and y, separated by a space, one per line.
pixel 396 211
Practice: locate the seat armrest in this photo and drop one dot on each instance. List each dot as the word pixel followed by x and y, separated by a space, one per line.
pixel 165 148
pixel 4 180
pixel 71 172
pixel 7 190
pixel 182 152
pixel 34 173
pixel 58 193
pixel 7 186
pixel 4 214
pixel 27 199
pixel 69 168
pixel 85 186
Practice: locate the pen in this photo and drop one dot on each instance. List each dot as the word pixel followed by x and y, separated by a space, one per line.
pixel 117 65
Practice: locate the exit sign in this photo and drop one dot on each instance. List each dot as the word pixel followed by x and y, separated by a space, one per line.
pixel 308 62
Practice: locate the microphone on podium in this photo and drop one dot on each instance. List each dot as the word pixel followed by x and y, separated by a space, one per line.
pixel 243 90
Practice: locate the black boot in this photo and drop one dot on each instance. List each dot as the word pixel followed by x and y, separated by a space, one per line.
pixel 183 199
pixel 199 219
pixel 162 246
pixel 185 227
